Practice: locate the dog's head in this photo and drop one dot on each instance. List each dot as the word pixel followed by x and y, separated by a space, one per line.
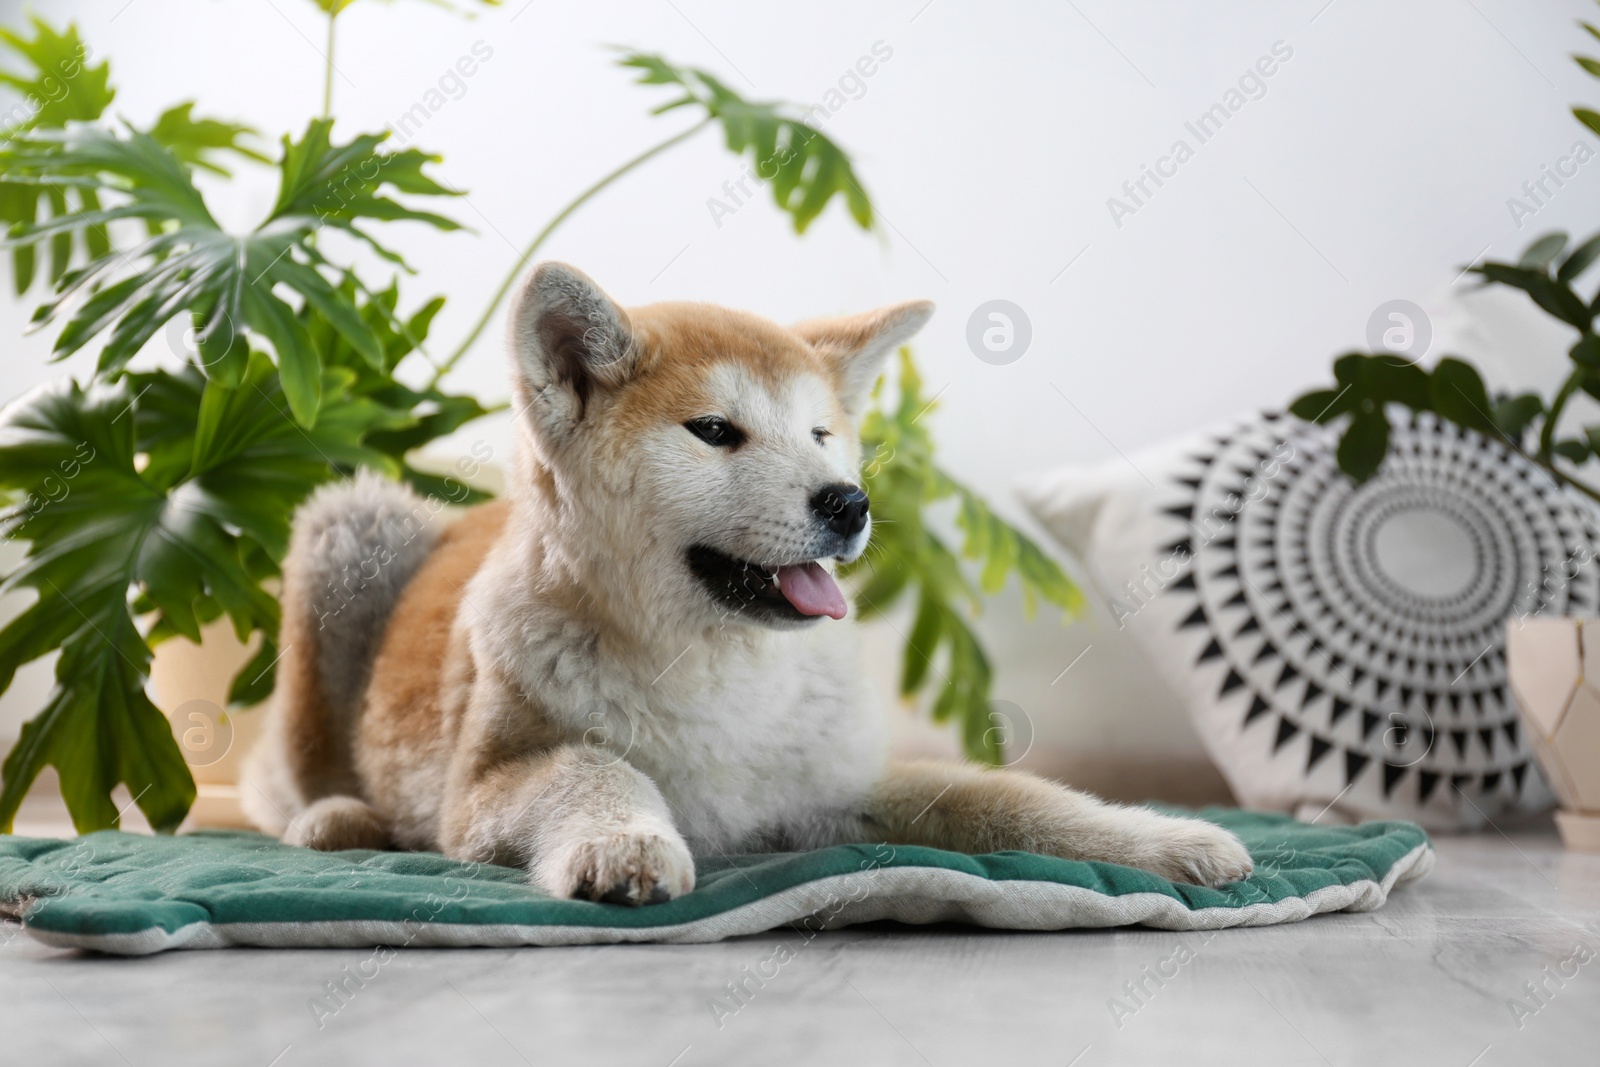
pixel 703 460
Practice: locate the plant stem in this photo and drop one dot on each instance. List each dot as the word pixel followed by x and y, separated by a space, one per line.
pixel 544 234
pixel 1572 483
pixel 1545 457
pixel 1547 432
pixel 327 70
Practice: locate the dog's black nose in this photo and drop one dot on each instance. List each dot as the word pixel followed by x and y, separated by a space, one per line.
pixel 843 508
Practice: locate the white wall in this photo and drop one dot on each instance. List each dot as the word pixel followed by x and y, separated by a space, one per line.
pixel 1378 162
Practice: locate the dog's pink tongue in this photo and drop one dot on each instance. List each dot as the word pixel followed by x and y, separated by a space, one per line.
pixel 811 590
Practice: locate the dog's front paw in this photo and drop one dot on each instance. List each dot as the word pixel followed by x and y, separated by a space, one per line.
pixel 632 867
pixel 1197 852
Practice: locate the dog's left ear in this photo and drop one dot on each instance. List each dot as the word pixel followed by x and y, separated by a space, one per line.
pixel 855 346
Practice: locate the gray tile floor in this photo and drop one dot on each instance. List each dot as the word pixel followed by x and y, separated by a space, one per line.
pixel 1429 979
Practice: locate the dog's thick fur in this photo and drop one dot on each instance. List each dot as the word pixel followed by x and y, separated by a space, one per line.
pixel 547 680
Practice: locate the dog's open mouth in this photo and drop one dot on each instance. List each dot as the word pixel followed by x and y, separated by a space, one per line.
pixel 790 591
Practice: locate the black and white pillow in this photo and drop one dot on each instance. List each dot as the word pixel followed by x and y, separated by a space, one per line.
pixel 1340 648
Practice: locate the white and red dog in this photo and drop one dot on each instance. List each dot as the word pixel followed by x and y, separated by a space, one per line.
pixel 623 664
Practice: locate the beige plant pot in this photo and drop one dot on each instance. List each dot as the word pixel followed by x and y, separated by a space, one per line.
pixel 1553 665
pixel 189 683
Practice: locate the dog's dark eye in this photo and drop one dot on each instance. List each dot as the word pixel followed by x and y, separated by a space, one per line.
pixel 719 433
pixel 820 434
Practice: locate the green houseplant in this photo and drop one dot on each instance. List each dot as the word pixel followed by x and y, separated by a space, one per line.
pixel 1368 385
pixel 154 501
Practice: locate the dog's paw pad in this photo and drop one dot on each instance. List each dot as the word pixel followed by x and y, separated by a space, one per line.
pixel 1196 852
pixel 624 893
pixel 631 869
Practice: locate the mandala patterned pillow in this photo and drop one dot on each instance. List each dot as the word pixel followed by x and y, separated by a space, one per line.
pixel 1340 648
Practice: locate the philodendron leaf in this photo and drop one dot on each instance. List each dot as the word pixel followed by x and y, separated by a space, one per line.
pixel 906 558
pixel 255 466
pixel 803 167
pixel 94 528
pixel 200 142
pixel 327 184
pixel 430 412
pixel 64 86
pixel 137 528
pixel 59 85
pixel 190 265
pixel 253 683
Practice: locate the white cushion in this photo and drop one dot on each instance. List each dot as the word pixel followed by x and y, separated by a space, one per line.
pixel 1339 648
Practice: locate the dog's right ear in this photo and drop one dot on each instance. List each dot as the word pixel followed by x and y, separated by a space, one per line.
pixel 568 341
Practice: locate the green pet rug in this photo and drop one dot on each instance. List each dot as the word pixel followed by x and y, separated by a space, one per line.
pixel 132 894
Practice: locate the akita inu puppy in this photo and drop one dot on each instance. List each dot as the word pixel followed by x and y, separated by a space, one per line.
pixel 623 663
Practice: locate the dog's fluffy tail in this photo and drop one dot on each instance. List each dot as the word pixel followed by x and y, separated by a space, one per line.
pixel 355 546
